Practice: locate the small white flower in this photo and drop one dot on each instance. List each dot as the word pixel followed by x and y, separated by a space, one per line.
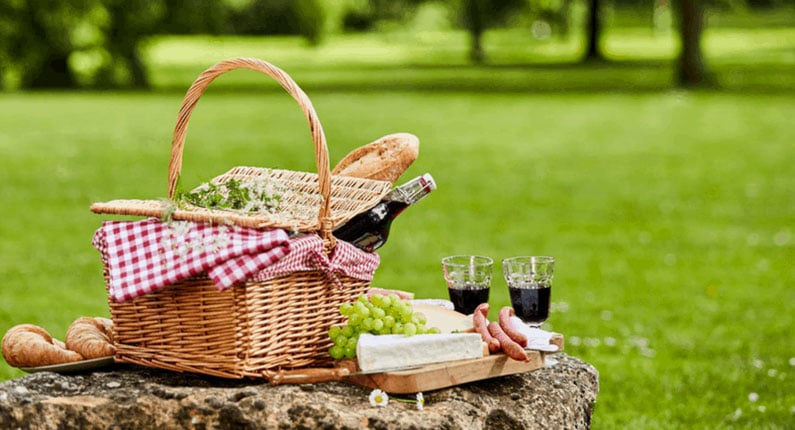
pixel 753 397
pixel 378 398
pixel 420 401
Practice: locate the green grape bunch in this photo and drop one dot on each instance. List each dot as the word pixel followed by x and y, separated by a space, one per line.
pixel 378 314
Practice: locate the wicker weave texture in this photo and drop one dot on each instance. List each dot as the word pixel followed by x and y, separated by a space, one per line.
pixel 243 332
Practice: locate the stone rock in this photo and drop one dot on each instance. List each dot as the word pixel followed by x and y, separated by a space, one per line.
pixel 132 397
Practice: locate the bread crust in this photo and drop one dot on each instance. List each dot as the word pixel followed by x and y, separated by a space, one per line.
pixel 28 345
pixel 385 159
pixel 91 337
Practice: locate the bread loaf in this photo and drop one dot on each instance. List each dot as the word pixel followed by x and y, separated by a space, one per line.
pixel 91 337
pixel 28 345
pixel 384 159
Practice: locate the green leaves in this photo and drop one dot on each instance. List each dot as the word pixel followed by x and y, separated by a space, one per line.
pixel 233 194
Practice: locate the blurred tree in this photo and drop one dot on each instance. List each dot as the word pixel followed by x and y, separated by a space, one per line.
pixel 297 17
pixel 196 16
pixel 593 33
pixel 479 15
pixel 690 68
pixel 35 45
pixel 129 21
pixel 67 43
pixel 311 20
pixel 90 43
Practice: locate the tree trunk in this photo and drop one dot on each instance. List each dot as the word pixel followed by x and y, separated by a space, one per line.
pixel 690 68
pixel 138 75
pixel 474 22
pixel 593 32
pixel 54 72
pixel 52 65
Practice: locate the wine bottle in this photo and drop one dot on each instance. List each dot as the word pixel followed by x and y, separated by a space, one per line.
pixel 369 230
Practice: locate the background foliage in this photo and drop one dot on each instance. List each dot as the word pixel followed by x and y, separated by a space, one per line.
pixel 98 43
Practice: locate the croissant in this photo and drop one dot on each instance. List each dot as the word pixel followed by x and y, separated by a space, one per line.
pixel 91 337
pixel 28 345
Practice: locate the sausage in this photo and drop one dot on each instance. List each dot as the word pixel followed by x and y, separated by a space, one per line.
pixel 509 347
pixel 481 322
pixel 505 323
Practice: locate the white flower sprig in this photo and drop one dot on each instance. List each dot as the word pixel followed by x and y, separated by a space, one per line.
pixel 380 398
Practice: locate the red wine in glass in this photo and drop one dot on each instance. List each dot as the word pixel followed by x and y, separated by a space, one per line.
pixel 465 300
pixel 531 304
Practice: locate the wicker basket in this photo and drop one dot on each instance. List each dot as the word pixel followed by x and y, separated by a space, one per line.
pixel 257 327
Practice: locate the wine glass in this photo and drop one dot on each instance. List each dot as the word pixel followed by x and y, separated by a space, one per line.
pixel 468 281
pixel 529 280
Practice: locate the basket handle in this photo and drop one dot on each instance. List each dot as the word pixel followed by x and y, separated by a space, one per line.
pixel 318 137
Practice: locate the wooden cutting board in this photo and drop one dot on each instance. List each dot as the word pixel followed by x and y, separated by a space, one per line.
pixel 443 375
pixel 448 374
pixel 425 378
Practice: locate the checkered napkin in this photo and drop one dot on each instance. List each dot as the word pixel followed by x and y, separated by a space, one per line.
pixel 307 254
pixel 145 256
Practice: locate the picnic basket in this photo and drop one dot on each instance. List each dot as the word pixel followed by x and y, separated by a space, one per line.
pixel 256 327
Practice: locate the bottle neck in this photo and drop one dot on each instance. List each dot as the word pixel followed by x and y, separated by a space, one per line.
pixel 412 191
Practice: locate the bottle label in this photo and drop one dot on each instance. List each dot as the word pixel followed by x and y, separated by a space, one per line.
pixel 368 242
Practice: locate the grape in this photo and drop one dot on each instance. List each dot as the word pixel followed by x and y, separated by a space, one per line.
pixel 340 340
pixel 350 352
pixel 346 309
pixel 379 301
pixel 337 352
pixel 355 319
pixel 406 314
pixel 361 309
pixel 375 315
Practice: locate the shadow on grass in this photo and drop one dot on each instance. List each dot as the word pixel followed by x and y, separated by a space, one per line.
pixel 609 76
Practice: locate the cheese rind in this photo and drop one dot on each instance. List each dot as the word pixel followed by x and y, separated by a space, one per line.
pixel 389 352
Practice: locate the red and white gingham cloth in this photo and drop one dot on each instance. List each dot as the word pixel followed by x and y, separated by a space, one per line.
pixel 145 256
pixel 307 254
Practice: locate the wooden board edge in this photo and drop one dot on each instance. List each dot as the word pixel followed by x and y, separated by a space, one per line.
pixel 444 375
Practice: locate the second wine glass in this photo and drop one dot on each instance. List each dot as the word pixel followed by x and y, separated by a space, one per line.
pixel 529 280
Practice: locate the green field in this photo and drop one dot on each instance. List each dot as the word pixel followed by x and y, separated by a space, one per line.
pixel 671 214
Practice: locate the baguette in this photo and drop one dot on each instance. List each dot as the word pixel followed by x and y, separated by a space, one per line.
pixel 28 345
pixel 385 159
pixel 91 337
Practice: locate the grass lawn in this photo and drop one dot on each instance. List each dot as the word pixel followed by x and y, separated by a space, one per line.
pixel 671 214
